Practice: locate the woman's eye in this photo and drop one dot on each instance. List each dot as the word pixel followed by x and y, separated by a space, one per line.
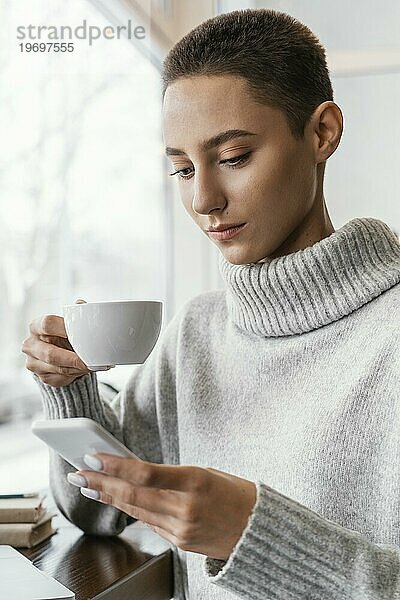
pixel 183 173
pixel 233 163
pixel 235 160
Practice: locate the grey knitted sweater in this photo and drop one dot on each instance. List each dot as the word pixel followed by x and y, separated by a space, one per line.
pixel 290 377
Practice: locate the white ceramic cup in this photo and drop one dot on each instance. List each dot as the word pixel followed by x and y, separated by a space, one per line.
pixel 105 334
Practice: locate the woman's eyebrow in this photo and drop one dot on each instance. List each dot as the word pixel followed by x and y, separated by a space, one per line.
pixel 216 140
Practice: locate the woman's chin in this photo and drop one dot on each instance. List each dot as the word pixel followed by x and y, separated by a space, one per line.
pixel 239 256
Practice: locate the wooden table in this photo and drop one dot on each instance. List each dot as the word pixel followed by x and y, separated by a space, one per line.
pixel 135 565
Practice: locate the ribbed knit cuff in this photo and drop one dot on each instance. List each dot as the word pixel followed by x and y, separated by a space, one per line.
pixel 288 551
pixel 78 399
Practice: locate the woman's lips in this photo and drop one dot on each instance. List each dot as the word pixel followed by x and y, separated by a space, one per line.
pixel 227 234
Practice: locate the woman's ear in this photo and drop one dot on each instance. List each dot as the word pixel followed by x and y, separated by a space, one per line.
pixel 326 128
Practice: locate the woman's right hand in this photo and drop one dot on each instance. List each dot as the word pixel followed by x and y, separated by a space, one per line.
pixel 50 354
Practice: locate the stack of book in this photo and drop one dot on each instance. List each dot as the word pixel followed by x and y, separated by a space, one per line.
pixel 24 521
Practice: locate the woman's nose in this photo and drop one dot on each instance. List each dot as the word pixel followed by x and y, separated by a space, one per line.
pixel 207 195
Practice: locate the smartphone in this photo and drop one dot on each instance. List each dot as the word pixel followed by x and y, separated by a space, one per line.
pixel 73 438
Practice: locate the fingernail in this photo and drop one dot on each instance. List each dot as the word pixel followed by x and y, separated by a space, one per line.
pixel 94 494
pixel 93 462
pixel 78 480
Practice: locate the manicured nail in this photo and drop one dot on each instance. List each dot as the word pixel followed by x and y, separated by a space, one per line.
pixel 93 494
pixel 78 480
pixel 93 462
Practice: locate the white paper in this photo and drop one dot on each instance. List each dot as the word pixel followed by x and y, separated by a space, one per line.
pixel 21 580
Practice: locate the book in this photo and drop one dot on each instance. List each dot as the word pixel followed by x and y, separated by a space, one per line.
pixel 26 535
pixel 21 510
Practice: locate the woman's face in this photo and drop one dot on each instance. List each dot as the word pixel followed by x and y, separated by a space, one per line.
pixel 259 175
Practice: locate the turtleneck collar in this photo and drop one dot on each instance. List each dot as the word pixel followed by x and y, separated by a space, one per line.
pixel 310 288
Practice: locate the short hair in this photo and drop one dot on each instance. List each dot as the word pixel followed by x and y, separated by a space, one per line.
pixel 281 59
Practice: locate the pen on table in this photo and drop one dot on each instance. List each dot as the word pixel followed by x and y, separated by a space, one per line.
pixel 32 495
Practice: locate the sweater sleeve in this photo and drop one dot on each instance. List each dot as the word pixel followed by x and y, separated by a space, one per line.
pixel 289 551
pixel 131 417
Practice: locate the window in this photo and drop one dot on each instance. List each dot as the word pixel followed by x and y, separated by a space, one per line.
pixel 82 207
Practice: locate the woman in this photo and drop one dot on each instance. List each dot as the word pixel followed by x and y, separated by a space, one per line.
pixel 267 414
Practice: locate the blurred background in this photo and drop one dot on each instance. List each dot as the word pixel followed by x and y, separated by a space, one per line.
pixel 87 207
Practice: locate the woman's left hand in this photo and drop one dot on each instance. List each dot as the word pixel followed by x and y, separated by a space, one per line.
pixel 198 509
